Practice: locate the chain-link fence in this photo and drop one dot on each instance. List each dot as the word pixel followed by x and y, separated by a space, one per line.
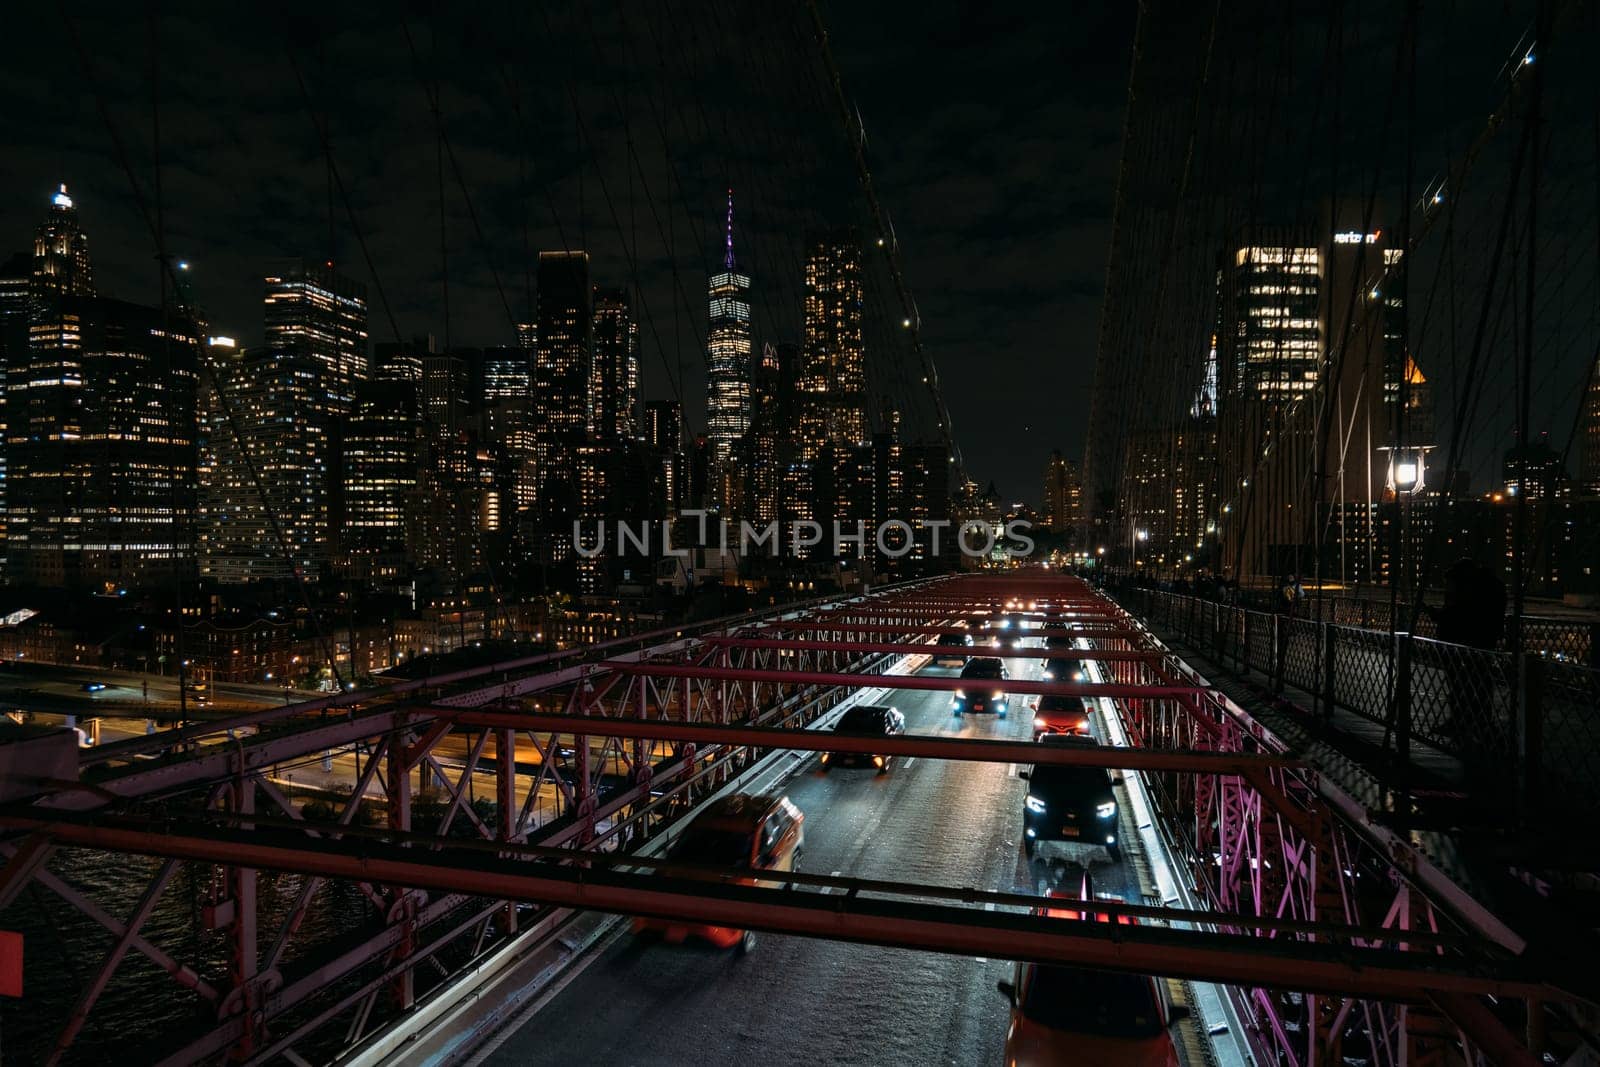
pixel 1566 749
pixel 1533 723
pixel 1463 700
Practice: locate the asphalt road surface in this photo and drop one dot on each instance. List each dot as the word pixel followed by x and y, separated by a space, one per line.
pixel 797 1000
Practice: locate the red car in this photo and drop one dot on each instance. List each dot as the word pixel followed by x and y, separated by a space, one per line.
pixel 739 831
pixel 1085 1017
pixel 1053 714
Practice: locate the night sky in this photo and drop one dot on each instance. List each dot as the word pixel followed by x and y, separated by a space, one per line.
pixel 993 136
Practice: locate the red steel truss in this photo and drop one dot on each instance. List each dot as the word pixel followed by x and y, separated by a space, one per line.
pixel 1338 938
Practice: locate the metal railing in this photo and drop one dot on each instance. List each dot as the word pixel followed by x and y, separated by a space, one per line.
pixel 1574 640
pixel 1529 723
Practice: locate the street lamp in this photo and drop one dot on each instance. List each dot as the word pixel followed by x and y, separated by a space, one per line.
pixel 1407 469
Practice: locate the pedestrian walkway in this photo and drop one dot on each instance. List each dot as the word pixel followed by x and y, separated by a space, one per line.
pixel 1346 747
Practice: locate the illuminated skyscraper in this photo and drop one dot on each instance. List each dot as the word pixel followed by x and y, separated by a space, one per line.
pixel 381 455
pixel 1589 436
pixel 769 446
pixel 16 277
pixel 232 525
pixel 833 380
pixel 614 385
pixel 507 374
pixel 564 359
pixel 562 405
pixel 401 361
pixel 663 435
pixel 925 499
pixel 291 399
pixel 317 315
pixel 1309 431
pixel 444 395
pixel 61 251
pixel 728 353
pixel 100 428
pixel 1063 492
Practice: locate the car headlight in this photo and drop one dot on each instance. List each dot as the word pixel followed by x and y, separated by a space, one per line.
pixel 1106 810
pixel 1077 676
pixel 1033 804
pixel 877 761
pixel 1049 676
pixel 998 694
pixel 961 694
pixel 1039 724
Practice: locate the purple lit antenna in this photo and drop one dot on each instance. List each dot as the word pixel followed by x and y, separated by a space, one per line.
pixel 727 260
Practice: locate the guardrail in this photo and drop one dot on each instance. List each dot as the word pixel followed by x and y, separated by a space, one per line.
pixel 1533 719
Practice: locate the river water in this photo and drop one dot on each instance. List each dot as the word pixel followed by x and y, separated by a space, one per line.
pixel 143 1014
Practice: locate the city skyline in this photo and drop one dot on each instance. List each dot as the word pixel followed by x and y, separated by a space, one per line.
pixel 316 455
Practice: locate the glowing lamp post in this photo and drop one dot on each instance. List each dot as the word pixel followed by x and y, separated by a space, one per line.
pixel 1407 469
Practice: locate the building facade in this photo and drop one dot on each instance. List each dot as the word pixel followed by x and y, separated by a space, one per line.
pixel 101 427
pixel 832 380
pixel 728 353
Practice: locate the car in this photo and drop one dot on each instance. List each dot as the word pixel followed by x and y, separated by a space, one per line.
pixel 944 657
pixel 1070 803
pixel 1077 1015
pixel 1009 629
pixel 743 830
pixel 1055 714
pixel 983 673
pixel 92 687
pixel 1060 640
pixel 865 720
pixel 1062 669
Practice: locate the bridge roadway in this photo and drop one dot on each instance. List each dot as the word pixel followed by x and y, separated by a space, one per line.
pixel 797 1000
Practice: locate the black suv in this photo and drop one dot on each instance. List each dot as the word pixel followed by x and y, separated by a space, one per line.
pixel 1059 669
pixel 1066 803
pixel 952 650
pixel 984 676
pixel 865 720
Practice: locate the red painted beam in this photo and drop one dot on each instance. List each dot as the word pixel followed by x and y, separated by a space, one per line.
pixel 1315 967
pixel 983 750
pixel 907 649
pixel 889 628
pixel 925 682
pixel 1485 1029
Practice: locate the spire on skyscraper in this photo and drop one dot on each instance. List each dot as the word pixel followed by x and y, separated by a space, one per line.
pixel 728 351
pixel 61 251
